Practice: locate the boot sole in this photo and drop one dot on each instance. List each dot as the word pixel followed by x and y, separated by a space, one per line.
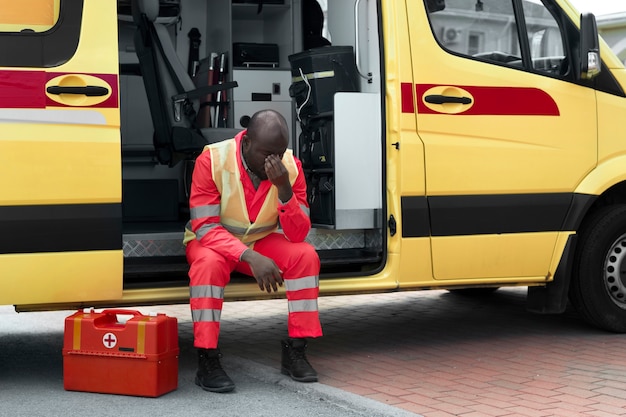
pixel 285 371
pixel 227 388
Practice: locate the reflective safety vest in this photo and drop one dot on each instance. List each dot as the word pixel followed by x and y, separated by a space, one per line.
pixel 233 209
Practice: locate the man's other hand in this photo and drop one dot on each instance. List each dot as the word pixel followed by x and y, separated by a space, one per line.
pixel 264 270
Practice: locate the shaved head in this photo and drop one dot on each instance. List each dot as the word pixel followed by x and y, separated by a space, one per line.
pixel 269 125
pixel 267 134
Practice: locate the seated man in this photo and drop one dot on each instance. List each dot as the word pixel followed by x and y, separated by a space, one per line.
pixel 241 188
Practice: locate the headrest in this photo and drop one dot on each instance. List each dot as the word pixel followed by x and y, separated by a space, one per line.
pixel 148 7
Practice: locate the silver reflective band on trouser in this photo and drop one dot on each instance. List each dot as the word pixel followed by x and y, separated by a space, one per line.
pixel 298 306
pixel 243 231
pixel 200 212
pixel 206 315
pixel 305 209
pixel 206 291
pixel 304 283
pixel 204 229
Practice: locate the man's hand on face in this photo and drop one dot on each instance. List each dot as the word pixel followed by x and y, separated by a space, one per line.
pixel 279 176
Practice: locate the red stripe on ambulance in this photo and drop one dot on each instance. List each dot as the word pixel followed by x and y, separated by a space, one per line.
pixel 22 89
pixel 487 101
pixel 27 89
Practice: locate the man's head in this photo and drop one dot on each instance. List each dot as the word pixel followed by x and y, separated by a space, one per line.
pixel 267 135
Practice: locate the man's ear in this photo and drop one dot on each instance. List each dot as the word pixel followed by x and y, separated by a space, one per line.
pixel 245 140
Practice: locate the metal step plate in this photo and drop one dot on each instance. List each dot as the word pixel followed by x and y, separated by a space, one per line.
pixel 171 244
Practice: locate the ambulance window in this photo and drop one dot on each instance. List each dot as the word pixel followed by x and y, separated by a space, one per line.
pixel 39 33
pixel 490 30
pixel 482 29
pixel 28 15
pixel 544 38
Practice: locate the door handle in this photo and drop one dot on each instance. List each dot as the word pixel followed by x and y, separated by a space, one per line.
pixel 440 99
pixel 89 91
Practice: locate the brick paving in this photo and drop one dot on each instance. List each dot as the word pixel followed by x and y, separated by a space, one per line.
pixel 440 354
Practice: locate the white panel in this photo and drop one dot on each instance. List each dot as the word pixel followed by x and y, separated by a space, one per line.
pixel 358 159
pixel 274 82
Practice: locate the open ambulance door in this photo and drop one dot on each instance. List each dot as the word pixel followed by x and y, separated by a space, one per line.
pixel 60 168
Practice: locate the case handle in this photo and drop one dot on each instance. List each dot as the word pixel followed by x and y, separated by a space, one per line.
pixel 122 311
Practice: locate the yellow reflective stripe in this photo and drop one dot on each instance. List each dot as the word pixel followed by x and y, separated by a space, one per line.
pixel 314 76
pixel 76 335
pixel 249 231
pixel 302 283
pixel 210 210
pixel 189 235
pixel 298 306
pixel 141 335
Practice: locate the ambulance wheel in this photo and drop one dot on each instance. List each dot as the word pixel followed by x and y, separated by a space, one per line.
pixel 598 287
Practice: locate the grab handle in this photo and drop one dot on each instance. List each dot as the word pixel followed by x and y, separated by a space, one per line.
pixel 368 77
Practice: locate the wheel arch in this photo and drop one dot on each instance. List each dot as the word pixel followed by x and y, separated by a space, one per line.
pixel 605 186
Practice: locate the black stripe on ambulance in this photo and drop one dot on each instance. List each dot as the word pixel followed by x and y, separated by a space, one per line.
pixel 60 228
pixel 492 214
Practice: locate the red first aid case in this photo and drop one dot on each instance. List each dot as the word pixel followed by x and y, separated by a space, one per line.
pixel 101 353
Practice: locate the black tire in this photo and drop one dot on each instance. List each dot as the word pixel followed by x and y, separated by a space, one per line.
pixel 598 287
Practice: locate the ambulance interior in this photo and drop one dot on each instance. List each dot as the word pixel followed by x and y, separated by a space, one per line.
pixel 328 88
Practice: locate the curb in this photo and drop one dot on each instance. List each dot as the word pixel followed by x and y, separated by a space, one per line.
pixel 335 396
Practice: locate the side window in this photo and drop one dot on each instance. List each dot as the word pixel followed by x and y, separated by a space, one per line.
pixel 39 33
pixel 483 29
pixel 544 38
pixel 491 30
pixel 28 15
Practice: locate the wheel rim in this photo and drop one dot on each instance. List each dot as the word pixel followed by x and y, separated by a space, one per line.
pixel 615 272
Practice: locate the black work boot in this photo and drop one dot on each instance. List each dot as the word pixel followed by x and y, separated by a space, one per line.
pixel 294 362
pixel 210 375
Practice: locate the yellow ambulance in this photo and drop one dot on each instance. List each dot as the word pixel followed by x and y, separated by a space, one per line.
pixel 448 144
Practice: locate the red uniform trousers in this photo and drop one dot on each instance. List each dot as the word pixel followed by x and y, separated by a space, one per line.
pixel 210 272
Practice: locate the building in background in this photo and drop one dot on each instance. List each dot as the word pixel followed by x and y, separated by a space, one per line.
pixel 612 28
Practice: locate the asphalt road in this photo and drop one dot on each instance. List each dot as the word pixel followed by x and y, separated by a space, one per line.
pixel 31 383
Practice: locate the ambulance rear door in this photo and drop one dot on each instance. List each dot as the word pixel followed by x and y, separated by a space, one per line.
pixel 60 167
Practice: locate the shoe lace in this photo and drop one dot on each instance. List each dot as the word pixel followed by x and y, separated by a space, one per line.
pixel 211 363
pixel 298 353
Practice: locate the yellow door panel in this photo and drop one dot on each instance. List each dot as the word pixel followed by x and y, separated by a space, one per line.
pixel 493 256
pixel 60 159
pixel 508 134
pixel 43 278
pixel 53 166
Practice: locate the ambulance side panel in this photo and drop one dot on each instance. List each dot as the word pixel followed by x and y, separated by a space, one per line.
pixel 60 168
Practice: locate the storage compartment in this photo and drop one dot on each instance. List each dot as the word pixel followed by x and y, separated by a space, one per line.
pixel 105 355
pixel 255 55
pixel 321 191
pixel 318 74
pixel 316 144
